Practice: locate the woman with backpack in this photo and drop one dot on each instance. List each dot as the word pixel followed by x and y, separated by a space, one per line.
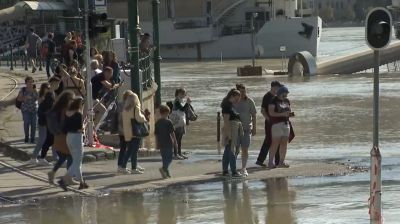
pixel 178 118
pixel 28 98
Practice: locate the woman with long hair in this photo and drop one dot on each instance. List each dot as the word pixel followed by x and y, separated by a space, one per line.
pixel 131 110
pixel 73 127
pixel 279 111
pixel 55 125
pixel 46 100
pixel 232 131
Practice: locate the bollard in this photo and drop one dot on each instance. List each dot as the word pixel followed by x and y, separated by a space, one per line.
pixel 219 132
pixel 12 58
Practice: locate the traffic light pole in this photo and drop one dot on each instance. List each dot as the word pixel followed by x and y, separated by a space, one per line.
pixel 376 158
pixel 157 57
pixel 133 23
pixel 89 102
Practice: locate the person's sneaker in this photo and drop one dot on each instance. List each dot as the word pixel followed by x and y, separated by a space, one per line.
pixel 283 165
pixel 69 180
pixel 26 140
pixel 140 168
pixel 236 175
pixel 32 141
pixel 177 157
pixel 32 162
pixel 225 174
pixel 62 184
pixel 83 185
pixel 260 164
pixel 123 171
pixel 163 173
pixel 33 69
pixel 182 156
pixel 43 162
pixel 168 175
pixel 136 171
pixel 51 175
pixel 245 173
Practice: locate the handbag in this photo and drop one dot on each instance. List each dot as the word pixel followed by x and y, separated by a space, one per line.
pixel 18 103
pixel 139 130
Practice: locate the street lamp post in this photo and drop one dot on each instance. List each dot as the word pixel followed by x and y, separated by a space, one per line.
pixel 157 57
pixel 134 29
pixel 89 102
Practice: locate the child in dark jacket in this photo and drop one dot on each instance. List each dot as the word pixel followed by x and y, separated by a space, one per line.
pixel 165 140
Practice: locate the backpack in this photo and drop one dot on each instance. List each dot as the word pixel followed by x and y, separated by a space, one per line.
pixel 18 103
pixel 54 124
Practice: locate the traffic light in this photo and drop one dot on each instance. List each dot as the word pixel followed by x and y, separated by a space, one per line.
pixel 96 24
pixel 378 28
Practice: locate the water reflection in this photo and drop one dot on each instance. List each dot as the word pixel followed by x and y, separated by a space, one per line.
pixel 238 210
pixel 279 201
pixel 166 209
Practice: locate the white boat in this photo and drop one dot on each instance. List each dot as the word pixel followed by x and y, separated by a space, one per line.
pixel 206 29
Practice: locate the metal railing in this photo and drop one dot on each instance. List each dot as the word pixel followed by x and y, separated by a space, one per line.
pixel 146 70
pixel 13 56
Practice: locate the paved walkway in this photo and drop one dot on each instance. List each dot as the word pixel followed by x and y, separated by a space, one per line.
pixel 27 181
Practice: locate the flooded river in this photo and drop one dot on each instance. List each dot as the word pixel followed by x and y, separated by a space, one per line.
pixel 333 123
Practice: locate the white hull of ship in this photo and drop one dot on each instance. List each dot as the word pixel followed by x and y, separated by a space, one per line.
pixel 269 40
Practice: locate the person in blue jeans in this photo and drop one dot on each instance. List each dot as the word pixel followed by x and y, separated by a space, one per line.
pixel 29 98
pixel 165 140
pixel 131 110
pixel 231 132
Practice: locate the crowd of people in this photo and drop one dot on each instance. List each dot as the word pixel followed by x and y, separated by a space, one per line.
pixel 60 111
pixel 239 115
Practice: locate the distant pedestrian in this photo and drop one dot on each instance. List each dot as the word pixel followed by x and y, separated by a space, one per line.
pixel 122 142
pixel 232 131
pixel 165 140
pixel 28 95
pixel 49 53
pixel 33 41
pixel 55 124
pixel 279 112
pixel 73 127
pixel 267 99
pixel 178 118
pixel 132 110
pixel 248 112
